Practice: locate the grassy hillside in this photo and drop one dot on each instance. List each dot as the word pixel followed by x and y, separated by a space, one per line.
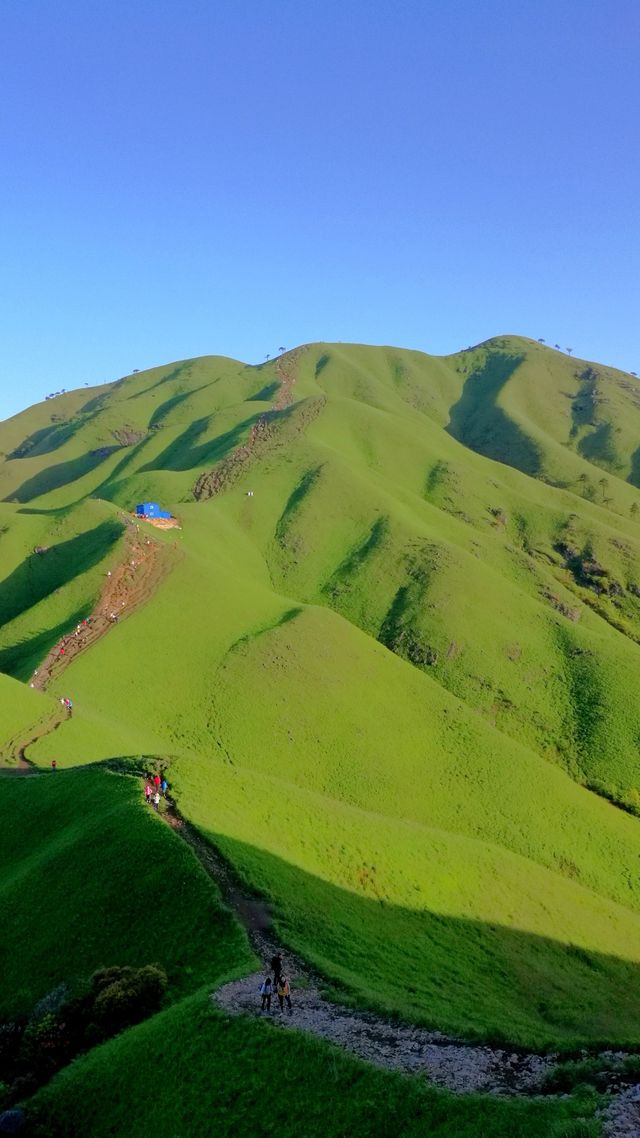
pixel 89 877
pixel 190 1072
pixel 385 678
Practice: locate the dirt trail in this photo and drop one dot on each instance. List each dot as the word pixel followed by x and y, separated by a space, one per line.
pixel 286 369
pixel 214 481
pixel 449 1063
pixel 145 564
pixel 126 588
pixel 17 747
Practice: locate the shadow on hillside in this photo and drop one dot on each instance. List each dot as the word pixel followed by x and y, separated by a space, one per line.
pixel 39 575
pixel 480 424
pixel 300 492
pixel 109 488
pixel 183 368
pixel 54 512
pixel 183 454
pixel 634 475
pixel 467 977
pixel 321 364
pixel 46 440
pixel 21 659
pixel 598 446
pixel 165 409
pixel 53 477
pixel 342 578
pixel 265 394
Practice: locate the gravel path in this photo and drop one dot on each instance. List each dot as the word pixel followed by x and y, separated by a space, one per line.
pixel 462 1068
pixel 457 1066
pixel 622 1117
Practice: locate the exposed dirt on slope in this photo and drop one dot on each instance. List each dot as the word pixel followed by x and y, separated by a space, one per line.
pixel 214 481
pixel 16 749
pixel 146 563
pixel 286 369
pixel 126 588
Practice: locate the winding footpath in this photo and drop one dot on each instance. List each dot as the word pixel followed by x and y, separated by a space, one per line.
pixel 462 1068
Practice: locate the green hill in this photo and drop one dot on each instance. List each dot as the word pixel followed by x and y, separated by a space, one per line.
pixel 392 658
pixel 90 879
pixel 198 1070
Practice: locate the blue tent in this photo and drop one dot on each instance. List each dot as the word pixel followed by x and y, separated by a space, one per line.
pixel 151 510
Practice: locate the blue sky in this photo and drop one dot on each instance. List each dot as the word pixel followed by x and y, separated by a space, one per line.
pixel 225 177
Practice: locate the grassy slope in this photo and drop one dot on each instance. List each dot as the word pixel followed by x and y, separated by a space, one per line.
pixel 189 1072
pixel 20 708
pixel 89 878
pixel 313 753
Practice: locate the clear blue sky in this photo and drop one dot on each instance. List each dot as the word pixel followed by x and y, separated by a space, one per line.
pixel 226 176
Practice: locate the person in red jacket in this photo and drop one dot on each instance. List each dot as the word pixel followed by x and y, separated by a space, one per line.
pixel 156 781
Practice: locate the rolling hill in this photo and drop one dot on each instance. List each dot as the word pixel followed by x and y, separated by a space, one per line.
pixel 390 656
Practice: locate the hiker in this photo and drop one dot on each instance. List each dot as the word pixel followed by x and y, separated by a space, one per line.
pixel 156 781
pixel 276 967
pixel 284 993
pixel 147 792
pixel 265 991
pixel 164 786
pixel 156 801
pixel 54 764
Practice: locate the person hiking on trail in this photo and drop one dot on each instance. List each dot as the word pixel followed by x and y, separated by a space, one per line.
pixel 156 801
pixel 147 792
pixel 156 780
pixel 284 993
pixel 266 989
pixel 54 764
pixel 276 967
pixel 164 786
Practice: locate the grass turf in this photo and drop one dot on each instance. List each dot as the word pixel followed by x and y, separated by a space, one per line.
pixel 381 677
pixel 89 877
pixel 189 1072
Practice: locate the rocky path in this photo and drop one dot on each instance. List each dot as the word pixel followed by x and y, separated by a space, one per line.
pixel 459 1067
pixel 223 475
pixel 621 1118
pixel 128 586
pixel 448 1063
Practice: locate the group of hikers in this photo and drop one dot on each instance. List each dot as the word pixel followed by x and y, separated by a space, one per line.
pixel 154 787
pixel 278 985
pixel 276 982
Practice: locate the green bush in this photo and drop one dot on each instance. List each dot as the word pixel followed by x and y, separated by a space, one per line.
pixel 124 996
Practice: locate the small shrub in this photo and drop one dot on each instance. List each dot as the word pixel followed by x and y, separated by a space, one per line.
pixel 566 1077
pixel 126 996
